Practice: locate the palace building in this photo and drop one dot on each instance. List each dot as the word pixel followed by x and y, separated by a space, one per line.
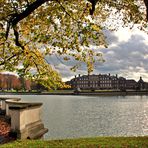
pixel 105 82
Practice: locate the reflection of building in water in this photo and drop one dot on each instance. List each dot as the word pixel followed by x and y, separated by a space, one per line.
pixel 104 81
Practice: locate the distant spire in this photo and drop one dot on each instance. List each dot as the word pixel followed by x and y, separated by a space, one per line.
pixel 116 75
pixel 140 80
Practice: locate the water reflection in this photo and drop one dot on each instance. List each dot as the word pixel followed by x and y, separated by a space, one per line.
pixel 85 116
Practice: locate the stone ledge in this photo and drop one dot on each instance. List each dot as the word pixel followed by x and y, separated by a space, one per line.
pixel 14 99
pixel 22 105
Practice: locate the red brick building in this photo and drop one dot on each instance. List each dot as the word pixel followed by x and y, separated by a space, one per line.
pixel 12 82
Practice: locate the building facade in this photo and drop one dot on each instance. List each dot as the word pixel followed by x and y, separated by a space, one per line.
pixel 106 82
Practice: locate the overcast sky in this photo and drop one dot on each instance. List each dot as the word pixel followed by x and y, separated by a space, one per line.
pixel 126 55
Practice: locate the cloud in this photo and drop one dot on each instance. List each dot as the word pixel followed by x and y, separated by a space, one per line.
pixel 129 56
pixel 126 55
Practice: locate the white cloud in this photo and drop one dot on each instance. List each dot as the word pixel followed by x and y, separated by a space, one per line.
pixel 124 34
pixel 127 56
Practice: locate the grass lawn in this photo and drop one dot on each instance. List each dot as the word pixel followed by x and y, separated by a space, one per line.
pixel 100 142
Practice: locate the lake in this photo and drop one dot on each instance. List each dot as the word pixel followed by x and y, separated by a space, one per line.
pixel 91 116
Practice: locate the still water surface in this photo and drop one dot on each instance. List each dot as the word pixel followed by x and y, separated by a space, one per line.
pixel 85 116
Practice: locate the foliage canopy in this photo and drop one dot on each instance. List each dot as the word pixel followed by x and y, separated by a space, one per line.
pixel 31 30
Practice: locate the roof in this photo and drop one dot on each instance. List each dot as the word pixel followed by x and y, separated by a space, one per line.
pixel 131 81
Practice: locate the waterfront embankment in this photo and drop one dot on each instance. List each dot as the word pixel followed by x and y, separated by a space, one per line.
pixel 113 93
pixel 71 92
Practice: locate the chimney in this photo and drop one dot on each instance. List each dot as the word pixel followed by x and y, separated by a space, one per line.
pixel 79 75
pixel 116 76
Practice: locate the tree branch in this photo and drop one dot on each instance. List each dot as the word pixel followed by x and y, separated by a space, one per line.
pixel 11 57
pixel 17 17
pixel 93 3
pixel 146 4
pixel 16 34
pixel 33 6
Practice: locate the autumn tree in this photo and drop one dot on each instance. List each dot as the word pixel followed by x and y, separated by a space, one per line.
pixel 31 30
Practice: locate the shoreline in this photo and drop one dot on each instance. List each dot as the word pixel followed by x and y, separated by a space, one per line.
pixel 100 93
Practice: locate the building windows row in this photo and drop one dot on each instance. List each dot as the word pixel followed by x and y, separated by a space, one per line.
pixel 105 82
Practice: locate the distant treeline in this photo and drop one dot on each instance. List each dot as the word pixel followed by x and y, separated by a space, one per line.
pixel 13 82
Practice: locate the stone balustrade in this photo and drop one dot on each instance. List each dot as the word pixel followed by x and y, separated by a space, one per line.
pixel 25 117
pixel 3 104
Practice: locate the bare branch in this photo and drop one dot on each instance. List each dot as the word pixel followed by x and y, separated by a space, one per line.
pixel 146 4
pixel 16 34
pixel 31 7
pixel 15 18
pixel 11 57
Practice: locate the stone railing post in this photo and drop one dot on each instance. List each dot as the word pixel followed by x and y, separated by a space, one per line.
pixel 26 120
pixel 4 105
